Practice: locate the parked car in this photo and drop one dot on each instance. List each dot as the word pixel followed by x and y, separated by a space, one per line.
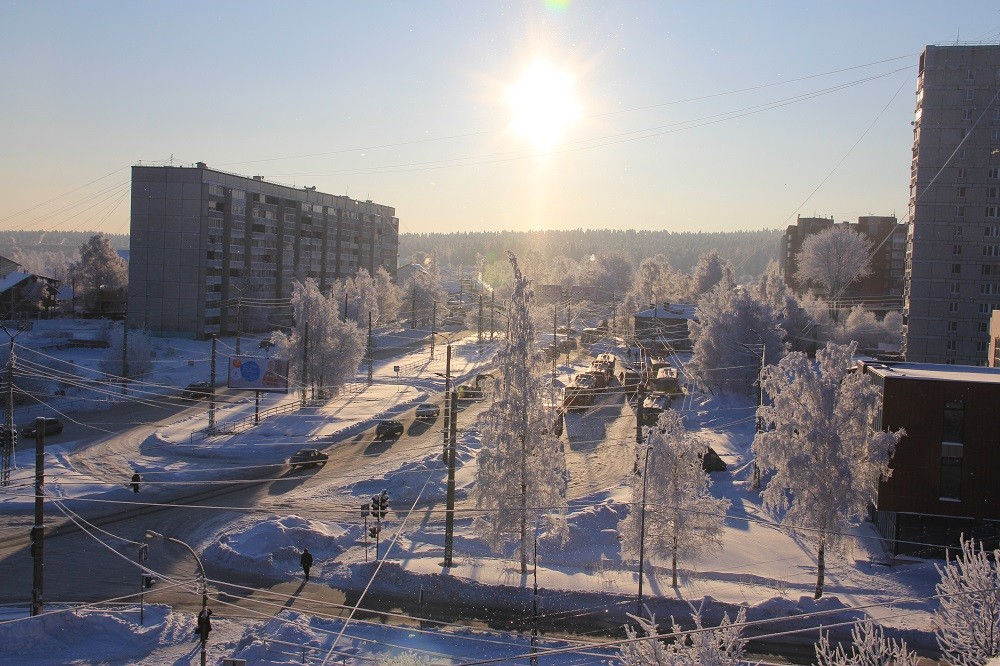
pixel 308 458
pixel 388 428
pixel 53 426
pixel 428 410
pixel 197 390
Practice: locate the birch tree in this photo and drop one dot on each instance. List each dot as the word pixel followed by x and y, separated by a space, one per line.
pixel 708 272
pixel 722 646
pixel 521 476
pixel 869 647
pixel 100 272
pixel 968 617
pixel 333 347
pixel 387 293
pixel 361 299
pixel 682 517
pixel 832 259
pixel 824 457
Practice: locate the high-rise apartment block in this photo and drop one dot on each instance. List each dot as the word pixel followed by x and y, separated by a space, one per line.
pixel 953 240
pixel 203 242
pixel 882 289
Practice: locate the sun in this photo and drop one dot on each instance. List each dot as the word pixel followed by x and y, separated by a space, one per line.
pixel 543 105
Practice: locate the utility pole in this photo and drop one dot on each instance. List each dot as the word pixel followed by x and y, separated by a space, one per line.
pixel 38 530
pixel 642 531
pixel 305 364
pixel 493 305
pixel 434 309
pixel 368 351
pixel 449 513
pixel 480 319
pixel 125 353
pixel 9 434
pixel 211 391
pixel 614 312
pixel 239 321
pixel 555 339
pixel 534 603
pixel 447 394
pixel 755 484
pixel 413 305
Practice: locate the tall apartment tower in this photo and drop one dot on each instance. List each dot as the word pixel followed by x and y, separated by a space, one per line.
pixel 953 239
pixel 203 242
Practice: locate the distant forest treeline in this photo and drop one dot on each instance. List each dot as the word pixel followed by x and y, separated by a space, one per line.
pixel 68 242
pixel 748 251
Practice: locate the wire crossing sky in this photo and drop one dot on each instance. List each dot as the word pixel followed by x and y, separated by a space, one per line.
pixel 523 115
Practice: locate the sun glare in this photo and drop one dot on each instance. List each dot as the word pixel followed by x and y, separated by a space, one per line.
pixel 543 105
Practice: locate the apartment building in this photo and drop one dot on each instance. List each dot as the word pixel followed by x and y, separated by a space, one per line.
pixel 953 240
pixel 882 289
pixel 209 247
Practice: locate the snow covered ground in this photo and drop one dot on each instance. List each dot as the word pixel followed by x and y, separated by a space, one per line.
pixel 761 566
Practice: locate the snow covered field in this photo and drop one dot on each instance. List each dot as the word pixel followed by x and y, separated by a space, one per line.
pixel 761 566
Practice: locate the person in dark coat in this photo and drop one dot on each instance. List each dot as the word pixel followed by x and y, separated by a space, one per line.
pixel 306 561
pixel 135 482
pixel 204 624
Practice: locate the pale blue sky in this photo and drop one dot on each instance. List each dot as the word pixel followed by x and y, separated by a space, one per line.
pixel 404 103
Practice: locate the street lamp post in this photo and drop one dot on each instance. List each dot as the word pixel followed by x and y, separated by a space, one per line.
pixel 642 531
pixel 204 586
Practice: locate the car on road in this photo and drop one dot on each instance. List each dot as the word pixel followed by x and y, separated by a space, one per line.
pixel 388 428
pixel 197 390
pixel 308 458
pixel 53 426
pixel 428 410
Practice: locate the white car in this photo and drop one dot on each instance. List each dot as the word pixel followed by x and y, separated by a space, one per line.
pixel 428 410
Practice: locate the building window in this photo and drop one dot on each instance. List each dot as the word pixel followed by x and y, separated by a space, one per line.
pixel 966 114
pixel 956 269
pixel 963 154
pixel 962 172
pixel 952 326
pixel 992 211
pixel 950 345
pixel 969 95
pixel 960 211
pixel 960 192
pixel 956 231
pixel 985 308
pixel 993 172
pixel 953 306
pixel 991 250
pixel 992 192
pixel 970 75
pixel 982 346
pixel 954 287
pixel 991 231
pixel 956 249
pixel 982 327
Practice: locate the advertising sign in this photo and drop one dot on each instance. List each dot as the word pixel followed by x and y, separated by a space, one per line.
pixel 258 374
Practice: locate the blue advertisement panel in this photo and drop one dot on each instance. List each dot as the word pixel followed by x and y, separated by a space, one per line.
pixel 258 374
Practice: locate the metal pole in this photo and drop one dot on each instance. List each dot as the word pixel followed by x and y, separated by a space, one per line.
pixel 480 322
pixel 369 350
pixel 449 514
pixel 256 407
pixel 305 366
pixel 211 391
pixel 493 300
pixel 433 326
pixel 239 321
pixel 447 404
pixel 38 530
pixel 125 353
pixel 642 531
pixel 9 435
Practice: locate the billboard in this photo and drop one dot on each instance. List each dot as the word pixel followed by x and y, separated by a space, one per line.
pixel 258 374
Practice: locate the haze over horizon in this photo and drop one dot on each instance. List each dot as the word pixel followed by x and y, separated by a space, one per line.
pixel 468 116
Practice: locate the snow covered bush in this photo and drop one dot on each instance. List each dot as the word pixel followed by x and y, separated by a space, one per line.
pixel 869 647
pixel 140 353
pixel 968 617
pixel 722 646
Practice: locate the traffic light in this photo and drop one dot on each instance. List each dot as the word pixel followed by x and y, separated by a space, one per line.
pixel 380 505
pixel 147 581
pixel 374 530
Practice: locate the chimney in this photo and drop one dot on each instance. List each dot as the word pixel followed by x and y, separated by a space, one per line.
pixel 201 165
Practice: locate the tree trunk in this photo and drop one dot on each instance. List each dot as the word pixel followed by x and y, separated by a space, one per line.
pixel 524 507
pixel 820 568
pixel 673 560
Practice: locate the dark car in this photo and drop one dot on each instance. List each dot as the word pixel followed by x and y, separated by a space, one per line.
pixel 388 428
pixel 428 410
pixel 53 426
pixel 308 458
pixel 197 390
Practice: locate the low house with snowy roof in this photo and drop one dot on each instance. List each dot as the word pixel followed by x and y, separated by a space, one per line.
pixel 24 295
pixel 666 324
pixel 943 481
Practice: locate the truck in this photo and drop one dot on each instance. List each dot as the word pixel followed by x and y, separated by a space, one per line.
pixel 475 390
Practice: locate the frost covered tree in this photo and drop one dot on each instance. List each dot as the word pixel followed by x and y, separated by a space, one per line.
pixel 869 647
pixel 968 617
pixel 335 347
pixel 733 331
pixel 140 353
pixel 387 293
pixel 707 273
pixel 722 646
pixel 420 292
pixel 832 259
pixel 825 458
pixel 682 516
pixel 100 273
pixel 521 475
pixel 361 299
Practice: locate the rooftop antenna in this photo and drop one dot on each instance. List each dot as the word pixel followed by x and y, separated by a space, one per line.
pixel 171 159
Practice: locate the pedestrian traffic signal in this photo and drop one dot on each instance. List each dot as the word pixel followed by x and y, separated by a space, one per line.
pixel 374 530
pixel 147 581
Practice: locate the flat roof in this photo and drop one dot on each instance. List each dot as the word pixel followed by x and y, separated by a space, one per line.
pixel 935 371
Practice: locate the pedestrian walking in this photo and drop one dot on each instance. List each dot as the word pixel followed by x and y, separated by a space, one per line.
pixel 135 482
pixel 306 561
